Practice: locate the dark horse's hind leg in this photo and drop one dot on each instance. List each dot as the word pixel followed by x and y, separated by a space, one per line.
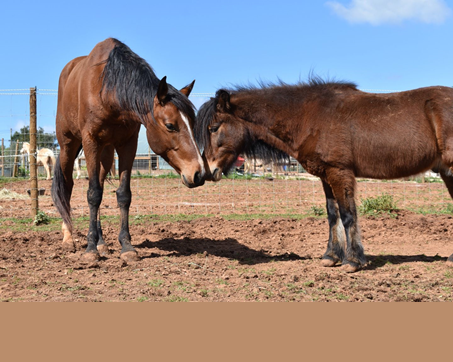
pixel 126 155
pixel 447 176
pixel 343 185
pixel 336 244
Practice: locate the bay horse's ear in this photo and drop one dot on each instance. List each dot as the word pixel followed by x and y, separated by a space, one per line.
pixel 223 101
pixel 162 90
pixel 187 89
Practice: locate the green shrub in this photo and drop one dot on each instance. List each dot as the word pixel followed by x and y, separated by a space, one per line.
pixel 377 205
pixel 317 210
pixel 41 218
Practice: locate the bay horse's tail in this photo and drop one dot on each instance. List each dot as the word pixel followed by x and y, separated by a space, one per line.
pixel 61 193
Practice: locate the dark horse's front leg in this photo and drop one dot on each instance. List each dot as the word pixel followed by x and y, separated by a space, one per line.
pixel 337 242
pixel 126 156
pixel 342 184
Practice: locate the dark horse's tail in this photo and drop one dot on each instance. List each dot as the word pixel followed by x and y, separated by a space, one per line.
pixel 61 194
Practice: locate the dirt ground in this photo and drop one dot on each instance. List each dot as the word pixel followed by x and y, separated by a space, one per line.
pixel 214 259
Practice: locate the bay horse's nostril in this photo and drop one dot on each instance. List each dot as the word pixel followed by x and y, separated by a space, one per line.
pixel 197 178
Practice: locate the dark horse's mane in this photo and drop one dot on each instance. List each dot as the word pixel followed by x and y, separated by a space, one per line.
pixel 255 148
pixel 135 85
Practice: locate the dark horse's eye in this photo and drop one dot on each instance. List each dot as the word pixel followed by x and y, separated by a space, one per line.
pixel 170 127
pixel 213 129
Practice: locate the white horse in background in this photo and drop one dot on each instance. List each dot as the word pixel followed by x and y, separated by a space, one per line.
pixel 252 165
pixel 45 157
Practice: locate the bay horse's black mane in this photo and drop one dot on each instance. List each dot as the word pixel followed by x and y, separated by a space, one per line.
pixel 135 85
pixel 256 148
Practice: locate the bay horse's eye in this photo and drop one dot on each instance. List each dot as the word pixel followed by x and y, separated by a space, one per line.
pixel 213 129
pixel 170 127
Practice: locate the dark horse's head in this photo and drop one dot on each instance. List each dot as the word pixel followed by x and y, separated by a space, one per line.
pixel 223 133
pixel 166 112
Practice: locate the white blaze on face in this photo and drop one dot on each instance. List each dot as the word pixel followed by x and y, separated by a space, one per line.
pixel 186 121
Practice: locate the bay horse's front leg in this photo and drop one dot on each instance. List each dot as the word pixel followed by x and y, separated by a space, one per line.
pixel 343 185
pixel 126 155
pixel 107 156
pixel 337 242
pixel 94 197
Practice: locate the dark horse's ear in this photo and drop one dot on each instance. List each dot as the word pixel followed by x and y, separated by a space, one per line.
pixel 187 89
pixel 162 90
pixel 223 101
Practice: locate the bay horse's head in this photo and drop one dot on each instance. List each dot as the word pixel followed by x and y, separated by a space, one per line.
pixel 221 134
pixel 170 132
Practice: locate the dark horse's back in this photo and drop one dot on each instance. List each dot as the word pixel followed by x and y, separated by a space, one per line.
pixel 391 135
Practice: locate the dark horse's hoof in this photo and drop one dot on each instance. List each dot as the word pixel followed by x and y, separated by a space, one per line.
pixel 350 267
pixel 90 257
pixel 328 263
pixel 130 256
pixel 103 250
pixel 449 263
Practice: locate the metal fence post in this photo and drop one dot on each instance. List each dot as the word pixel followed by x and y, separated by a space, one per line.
pixel 33 163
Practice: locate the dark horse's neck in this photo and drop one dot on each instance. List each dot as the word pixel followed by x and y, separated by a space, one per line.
pixel 267 120
pixel 278 115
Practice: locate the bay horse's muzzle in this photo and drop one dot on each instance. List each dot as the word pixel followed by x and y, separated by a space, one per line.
pixel 197 180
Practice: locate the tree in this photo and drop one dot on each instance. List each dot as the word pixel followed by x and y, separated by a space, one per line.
pixel 43 140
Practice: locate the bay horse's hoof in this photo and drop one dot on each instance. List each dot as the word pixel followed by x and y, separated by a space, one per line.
pixel 68 246
pixel 328 263
pixel 350 268
pixel 90 257
pixel 130 256
pixel 103 250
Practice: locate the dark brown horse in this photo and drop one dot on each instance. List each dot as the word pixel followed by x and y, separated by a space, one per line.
pixel 337 133
pixel 102 100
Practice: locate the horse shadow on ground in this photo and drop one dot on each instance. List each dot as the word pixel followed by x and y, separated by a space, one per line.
pixel 225 248
pixel 378 261
pixel 230 248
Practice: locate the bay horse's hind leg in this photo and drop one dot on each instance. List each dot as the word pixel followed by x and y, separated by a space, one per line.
pixel 447 176
pixel 343 186
pixel 62 186
pixel 337 242
pixel 126 155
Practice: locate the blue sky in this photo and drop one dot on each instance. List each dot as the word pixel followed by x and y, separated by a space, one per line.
pixel 378 44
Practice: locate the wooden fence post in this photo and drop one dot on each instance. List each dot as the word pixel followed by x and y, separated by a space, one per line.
pixel 33 163
pixel 16 160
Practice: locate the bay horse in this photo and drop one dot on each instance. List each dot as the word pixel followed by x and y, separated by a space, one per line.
pixel 337 133
pixel 103 98
pixel 45 157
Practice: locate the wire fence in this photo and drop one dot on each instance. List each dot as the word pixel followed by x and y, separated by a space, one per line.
pixel 156 190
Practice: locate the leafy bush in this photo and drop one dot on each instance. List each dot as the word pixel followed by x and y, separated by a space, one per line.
pixel 377 205
pixel 317 210
pixel 41 218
